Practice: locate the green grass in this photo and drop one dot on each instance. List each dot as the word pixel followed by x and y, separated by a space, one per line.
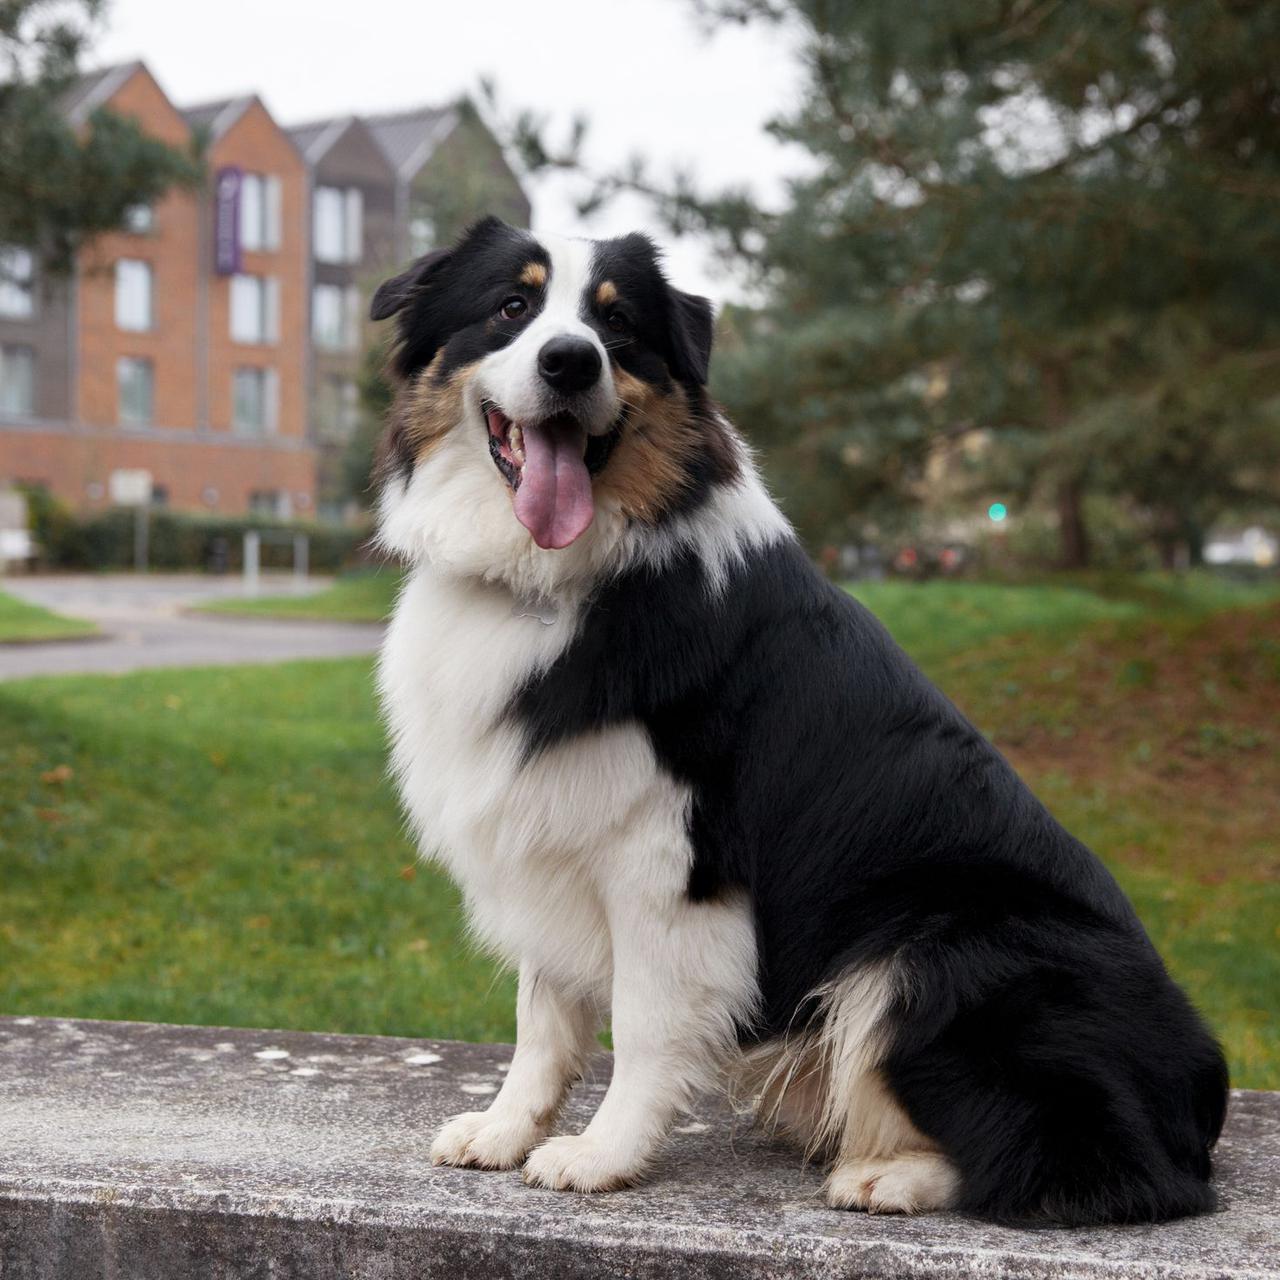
pixel 356 597
pixel 925 617
pixel 933 619
pixel 220 846
pixel 21 622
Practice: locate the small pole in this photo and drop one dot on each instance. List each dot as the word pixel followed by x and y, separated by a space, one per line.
pixel 301 548
pixel 252 541
pixel 141 536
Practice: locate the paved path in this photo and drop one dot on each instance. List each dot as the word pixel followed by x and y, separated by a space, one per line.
pixel 144 625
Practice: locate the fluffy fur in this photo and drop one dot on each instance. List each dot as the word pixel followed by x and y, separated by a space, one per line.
pixel 688 786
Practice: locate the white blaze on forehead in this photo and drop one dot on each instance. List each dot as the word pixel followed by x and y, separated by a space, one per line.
pixel 571 263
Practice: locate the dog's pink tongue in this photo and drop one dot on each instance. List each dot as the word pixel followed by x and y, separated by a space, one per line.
pixel 554 499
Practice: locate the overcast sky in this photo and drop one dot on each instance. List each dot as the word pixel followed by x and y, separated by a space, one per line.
pixel 643 72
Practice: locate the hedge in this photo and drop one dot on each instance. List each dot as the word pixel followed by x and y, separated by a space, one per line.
pixel 180 541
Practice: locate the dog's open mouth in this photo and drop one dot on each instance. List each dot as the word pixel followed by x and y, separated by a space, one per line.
pixel 548 465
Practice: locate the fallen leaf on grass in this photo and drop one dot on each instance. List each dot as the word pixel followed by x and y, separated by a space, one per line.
pixel 59 773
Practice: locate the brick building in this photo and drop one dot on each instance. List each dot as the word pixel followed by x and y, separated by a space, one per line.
pixel 153 357
pixel 353 246
pixel 216 340
pixel 254 248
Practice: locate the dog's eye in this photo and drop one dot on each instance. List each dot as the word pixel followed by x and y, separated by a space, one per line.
pixel 618 322
pixel 513 308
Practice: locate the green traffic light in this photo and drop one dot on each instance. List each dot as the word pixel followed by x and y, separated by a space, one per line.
pixel 997 511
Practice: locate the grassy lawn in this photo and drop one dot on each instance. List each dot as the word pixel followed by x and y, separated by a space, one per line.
pixel 220 846
pixel 21 622
pixel 357 597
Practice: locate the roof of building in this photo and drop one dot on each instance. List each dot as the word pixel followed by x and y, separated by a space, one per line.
pixel 95 88
pixel 217 117
pixel 316 139
pixel 408 138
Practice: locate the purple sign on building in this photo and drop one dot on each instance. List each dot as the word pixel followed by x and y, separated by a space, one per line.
pixel 226 221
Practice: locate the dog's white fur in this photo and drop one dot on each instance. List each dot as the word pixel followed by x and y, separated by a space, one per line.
pixel 575 865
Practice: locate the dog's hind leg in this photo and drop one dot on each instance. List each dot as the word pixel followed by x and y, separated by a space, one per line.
pixel 883 1163
pixel 554 1033
pixel 826 1090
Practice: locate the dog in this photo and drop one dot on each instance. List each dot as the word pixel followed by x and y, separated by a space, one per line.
pixel 687 785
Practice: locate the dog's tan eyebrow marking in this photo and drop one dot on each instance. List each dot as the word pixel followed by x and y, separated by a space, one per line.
pixel 534 275
pixel 606 293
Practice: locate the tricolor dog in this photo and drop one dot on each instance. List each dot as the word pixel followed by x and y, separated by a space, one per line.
pixel 689 787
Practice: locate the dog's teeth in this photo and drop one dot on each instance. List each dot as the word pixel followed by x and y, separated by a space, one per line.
pixel 515 438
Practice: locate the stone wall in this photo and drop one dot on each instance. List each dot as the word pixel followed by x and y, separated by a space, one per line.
pixel 138 1152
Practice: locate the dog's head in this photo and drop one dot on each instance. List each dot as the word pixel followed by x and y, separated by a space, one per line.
pixel 568 373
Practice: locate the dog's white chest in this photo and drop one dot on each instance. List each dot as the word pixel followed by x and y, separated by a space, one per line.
pixel 533 843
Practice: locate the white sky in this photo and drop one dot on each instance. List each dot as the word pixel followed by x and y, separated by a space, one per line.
pixel 643 72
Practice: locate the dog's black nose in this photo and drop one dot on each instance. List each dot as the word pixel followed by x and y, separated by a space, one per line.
pixel 569 364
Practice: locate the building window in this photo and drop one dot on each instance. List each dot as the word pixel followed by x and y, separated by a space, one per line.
pixel 335 317
pixel 17 381
pixel 274 504
pixel 260 198
pixel 17 270
pixel 135 385
pixel 338 217
pixel 140 219
pixel 256 397
pixel 337 408
pixel 255 309
pixel 134 308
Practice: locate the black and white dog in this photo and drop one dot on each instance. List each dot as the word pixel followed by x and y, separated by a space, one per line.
pixel 687 785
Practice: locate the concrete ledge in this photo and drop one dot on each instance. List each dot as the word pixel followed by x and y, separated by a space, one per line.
pixel 138 1152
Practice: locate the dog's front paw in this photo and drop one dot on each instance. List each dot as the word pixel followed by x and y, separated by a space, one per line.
pixel 579 1163
pixel 478 1140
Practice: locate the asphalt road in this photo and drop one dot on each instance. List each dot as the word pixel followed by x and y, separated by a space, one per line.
pixel 144 625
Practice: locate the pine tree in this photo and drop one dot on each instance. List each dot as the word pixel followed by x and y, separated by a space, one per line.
pixel 1051 219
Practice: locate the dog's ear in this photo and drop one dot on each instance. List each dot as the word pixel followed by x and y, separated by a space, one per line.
pixel 395 294
pixel 692 330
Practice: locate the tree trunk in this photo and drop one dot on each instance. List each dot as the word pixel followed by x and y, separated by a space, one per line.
pixel 1073 536
pixel 1195 542
pixel 1168 531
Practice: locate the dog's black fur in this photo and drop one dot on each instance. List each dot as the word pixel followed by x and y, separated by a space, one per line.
pixel 1040 1041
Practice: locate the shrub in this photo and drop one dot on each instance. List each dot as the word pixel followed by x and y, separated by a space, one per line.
pixel 176 540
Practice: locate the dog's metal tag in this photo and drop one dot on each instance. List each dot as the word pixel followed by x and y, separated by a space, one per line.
pixel 545 612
